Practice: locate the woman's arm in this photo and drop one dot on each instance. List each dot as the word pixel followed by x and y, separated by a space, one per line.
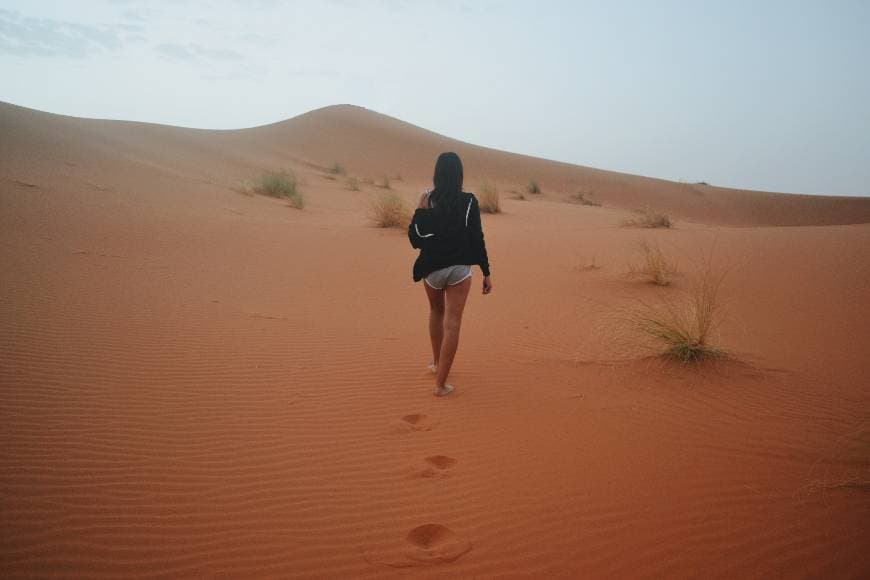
pixel 420 232
pixel 475 228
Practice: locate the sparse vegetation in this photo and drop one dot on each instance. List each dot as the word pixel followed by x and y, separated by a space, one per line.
pixel 654 265
pixel 281 184
pixel 533 187
pixel 684 328
pixel 389 210
pixel 488 198
pixel 385 183
pixel 337 169
pixel 649 218
pixel 368 181
pixel 353 183
pixel 584 198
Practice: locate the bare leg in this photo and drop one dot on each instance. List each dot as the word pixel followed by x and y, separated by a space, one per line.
pixel 436 320
pixel 455 298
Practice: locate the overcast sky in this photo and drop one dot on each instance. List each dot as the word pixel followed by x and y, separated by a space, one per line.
pixel 764 94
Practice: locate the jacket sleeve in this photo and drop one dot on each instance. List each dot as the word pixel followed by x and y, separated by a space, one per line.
pixel 475 231
pixel 420 231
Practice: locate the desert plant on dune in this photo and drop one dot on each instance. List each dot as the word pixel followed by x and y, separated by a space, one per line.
pixel 385 183
pixel 584 198
pixel 488 198
pixel 353 183
pixel 337 169
pixel 389 210
pixel 684 328
pixel 280 184
pixel 653 265
pixel 533 187
pixel 646 217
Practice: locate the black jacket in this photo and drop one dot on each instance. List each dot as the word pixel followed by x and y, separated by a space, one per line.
pixel 441 246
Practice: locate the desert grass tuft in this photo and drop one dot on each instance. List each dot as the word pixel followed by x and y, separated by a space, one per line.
pixel 533 187
pixel 649 218
pixel 281 184
pixel 385 183
pixel 653 265
pixel 352 183
pixel 389 210
pixel 584 198
pixel 488 198
pixel 683 329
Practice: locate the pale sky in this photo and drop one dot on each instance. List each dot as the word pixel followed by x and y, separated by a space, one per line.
pixel 771 95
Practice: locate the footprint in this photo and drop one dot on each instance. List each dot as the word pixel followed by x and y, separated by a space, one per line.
pixel 415 422
pixel 436 466
pixel 426 545
pixel 435 544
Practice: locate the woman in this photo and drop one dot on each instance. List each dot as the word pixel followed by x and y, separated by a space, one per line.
pixel 446 229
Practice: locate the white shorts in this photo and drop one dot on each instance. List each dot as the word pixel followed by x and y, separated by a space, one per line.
pixel 449 276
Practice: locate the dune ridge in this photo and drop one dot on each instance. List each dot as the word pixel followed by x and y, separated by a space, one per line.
pixel 375 145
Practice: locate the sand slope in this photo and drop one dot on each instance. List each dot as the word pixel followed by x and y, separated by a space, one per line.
pixel 199 383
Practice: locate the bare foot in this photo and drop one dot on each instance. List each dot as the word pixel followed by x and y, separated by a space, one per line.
pixel 433 368
pixel 443 391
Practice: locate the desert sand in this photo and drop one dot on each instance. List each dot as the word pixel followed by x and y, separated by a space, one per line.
pixel 197 382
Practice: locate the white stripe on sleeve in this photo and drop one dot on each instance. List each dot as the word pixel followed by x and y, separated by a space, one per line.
pixel 422 235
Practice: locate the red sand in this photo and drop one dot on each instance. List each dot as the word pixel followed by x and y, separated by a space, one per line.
pixel 202 383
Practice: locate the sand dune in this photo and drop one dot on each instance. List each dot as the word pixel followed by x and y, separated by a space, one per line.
pixel 200 383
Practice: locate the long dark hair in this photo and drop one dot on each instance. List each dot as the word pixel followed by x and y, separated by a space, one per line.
pixel 446 198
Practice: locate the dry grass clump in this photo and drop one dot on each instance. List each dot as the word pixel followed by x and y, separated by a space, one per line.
pixel 389 210
pixel 649 218
pixel 654 265
pixel 338 169
pixel 584 198
pixel 353 183
pixel 488 198
pixel 385 183
pixel 281 184
pixel 533 187
pixel 683 328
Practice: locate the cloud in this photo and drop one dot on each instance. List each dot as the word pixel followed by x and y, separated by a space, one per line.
pixel 196 52
pixel 45 37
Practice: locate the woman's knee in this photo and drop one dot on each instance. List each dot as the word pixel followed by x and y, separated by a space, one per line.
pixel 452 321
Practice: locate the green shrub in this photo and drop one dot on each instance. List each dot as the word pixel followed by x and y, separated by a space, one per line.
pixel 281 184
